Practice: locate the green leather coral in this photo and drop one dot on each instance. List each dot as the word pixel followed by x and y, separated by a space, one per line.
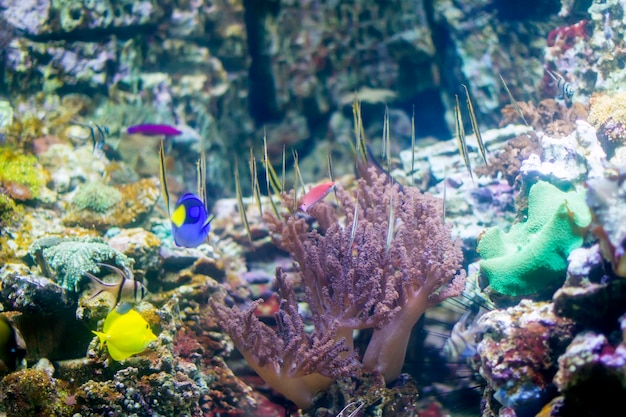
pixel 533 254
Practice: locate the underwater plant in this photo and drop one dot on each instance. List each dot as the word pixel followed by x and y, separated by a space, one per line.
pixel 391 260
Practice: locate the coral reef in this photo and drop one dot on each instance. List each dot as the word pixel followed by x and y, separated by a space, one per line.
pixel 101 207
pixel 338 288
pixel 21 176
pixel 355 277
pixel 531 257
pixel 517 353
pixel 96 197
pixel 591 374
pixel 33 393
pixel 140 245
pixel 607 114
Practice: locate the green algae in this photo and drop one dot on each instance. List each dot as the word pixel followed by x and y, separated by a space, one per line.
pixel 20 170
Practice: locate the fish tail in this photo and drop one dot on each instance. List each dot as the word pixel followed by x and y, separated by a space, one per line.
pixel 101 337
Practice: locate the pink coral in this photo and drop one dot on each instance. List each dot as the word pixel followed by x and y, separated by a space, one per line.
pixel 356 275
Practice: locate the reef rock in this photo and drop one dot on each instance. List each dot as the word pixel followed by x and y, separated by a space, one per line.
pixel 518 351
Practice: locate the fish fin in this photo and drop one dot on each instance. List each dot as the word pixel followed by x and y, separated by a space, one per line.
pixel 331 174
pixel 271 177
pixel 123 307
pixel 386 139
pixel 101 337
pixel 359 131
pixel 126 274
pixel 118 354
pixel 164 192
pixel 98 285
pixel 297 179
pixel 208 222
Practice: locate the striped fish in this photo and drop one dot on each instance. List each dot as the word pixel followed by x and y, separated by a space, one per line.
pixel 126 291
pixel 564 89
pixel 461 343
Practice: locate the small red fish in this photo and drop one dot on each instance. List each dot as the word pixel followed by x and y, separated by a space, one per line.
pixel 153 130
pixel 315 194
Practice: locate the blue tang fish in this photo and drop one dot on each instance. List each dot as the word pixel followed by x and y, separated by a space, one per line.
pixel 190 219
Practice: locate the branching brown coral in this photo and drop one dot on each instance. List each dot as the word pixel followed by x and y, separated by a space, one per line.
pixel 549 116
pixel 356 274
pixel 509 160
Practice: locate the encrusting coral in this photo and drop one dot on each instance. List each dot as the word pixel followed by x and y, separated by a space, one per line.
pixel 362 274
pixel 68 259
pixel 532 256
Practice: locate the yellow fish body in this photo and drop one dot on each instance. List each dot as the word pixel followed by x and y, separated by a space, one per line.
pixel 125 334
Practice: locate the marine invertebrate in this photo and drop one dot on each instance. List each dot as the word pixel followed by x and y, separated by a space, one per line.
pixel 532 256
pixel 21 176
pixel 67 259
pixel 363 274
pixel 96 197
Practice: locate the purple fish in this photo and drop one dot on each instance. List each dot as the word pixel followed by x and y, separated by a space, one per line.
pixel 153 130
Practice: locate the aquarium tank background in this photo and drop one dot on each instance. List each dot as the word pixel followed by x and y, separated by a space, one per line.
pixel 312 208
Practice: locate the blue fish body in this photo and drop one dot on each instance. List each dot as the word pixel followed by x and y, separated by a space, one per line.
pixel 190 221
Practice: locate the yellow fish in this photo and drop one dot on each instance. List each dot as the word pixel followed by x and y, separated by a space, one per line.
pixel 125 334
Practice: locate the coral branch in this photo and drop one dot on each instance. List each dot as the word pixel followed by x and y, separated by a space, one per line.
pixel 294 363
pixel 357 272
pixel 355 279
